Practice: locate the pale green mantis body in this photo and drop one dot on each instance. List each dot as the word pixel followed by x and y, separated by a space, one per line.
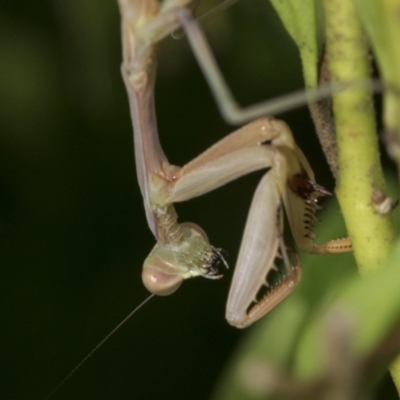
pixel 182 250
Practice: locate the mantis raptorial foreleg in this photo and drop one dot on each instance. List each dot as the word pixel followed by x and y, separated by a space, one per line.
pixel 264 144
pixel 182 250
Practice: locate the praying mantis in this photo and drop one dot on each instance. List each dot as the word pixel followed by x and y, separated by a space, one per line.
pixel 75 323
pixel 182 250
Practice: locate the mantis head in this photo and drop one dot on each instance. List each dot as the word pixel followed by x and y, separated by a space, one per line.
pixel 169 264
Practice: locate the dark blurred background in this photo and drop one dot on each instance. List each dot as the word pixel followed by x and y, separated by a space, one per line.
pixel 73 234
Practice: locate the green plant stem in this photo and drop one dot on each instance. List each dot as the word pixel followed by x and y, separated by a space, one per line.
pixel 360 172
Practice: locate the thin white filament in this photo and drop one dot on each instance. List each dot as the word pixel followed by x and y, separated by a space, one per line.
pixel 180 33
pixel 98 346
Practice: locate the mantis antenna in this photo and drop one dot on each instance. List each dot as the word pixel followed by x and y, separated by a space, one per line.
pixel 134 311
pixel 216 10
pixel 180 33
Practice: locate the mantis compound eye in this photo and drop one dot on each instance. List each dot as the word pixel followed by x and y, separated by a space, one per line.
pixel 159 283
pixel 161 274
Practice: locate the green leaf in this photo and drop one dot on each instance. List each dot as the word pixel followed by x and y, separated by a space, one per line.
pixel 302 21
pixel 381 21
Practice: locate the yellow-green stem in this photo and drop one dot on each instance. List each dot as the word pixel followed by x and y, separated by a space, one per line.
pixel 360 172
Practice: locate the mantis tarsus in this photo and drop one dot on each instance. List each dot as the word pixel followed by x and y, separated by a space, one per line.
pixel 182 250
